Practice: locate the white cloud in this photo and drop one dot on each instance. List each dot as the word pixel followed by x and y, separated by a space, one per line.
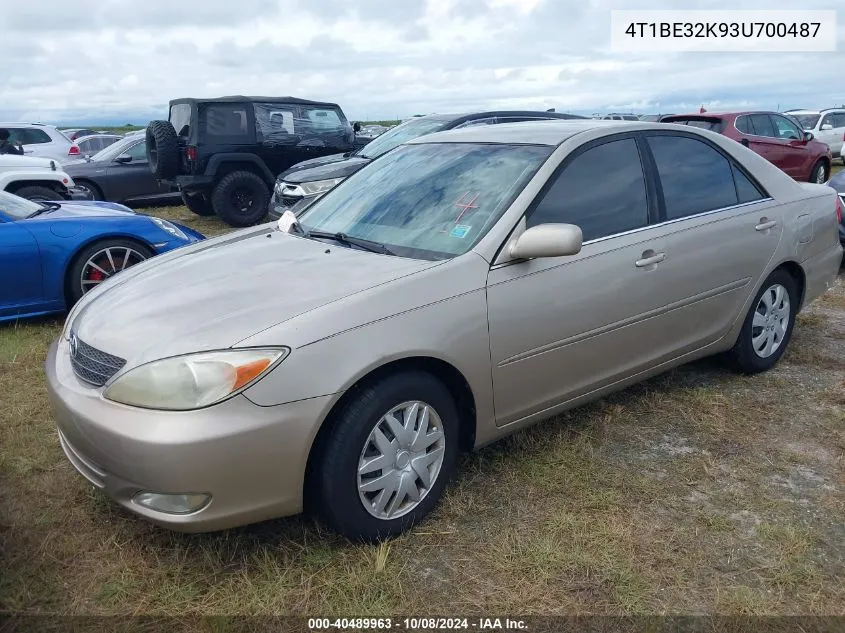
pixel 378 58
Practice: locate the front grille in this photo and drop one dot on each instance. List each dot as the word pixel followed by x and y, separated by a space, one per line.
pixel 92 365
pixel 288 201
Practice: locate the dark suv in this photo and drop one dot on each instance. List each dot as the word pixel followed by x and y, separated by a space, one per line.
pixel 300 185
pixel 224 153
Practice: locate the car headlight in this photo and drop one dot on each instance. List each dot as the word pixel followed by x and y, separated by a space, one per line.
pixel 320 186
pixel 169 227
pixel 193 381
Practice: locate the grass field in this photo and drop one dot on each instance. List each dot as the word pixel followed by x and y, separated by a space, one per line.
pixel 697 492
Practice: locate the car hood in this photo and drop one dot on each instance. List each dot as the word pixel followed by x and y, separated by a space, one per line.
pixel 336 166
pixel 14 161
pixel 82 209
pixel 217 293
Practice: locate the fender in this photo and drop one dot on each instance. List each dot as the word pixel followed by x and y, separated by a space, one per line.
pixel 215 162
pixel 29 176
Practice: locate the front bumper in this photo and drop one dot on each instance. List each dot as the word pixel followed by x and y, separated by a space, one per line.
pixel 250 459
pixel 78 193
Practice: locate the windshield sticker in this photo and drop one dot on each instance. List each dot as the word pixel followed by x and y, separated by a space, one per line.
pixel 460 231
pixel 465 203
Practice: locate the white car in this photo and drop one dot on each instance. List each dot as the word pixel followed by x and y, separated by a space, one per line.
pixel 37 179
pixel 828 126
pixel 38 140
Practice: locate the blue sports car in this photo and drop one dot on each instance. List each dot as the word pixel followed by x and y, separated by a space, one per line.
pixel 51 253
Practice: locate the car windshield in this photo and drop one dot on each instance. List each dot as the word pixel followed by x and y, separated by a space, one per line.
pixel 16 207
pixel 114 150
pixel 427 201
pixel 807 121
pixel 400 134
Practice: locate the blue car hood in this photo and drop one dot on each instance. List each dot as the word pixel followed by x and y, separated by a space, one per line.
pixel 81 209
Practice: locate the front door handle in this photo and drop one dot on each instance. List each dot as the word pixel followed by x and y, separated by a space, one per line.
pixel 651 260
pixel 765 225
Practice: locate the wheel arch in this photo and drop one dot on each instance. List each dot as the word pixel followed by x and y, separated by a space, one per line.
pixel 220 165
pixel 448 374
pixel 797 273
pixel 71 259
pixel 55 185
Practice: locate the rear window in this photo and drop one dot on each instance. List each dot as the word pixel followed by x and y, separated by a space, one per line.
pixel 710 123
pixel 180 118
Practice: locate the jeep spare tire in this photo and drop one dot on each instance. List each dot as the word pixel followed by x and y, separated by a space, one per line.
pixel 241 198
pixel 162 149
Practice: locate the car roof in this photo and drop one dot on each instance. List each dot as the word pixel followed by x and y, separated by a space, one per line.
pixel 25 123
pixel 242 99
pixel 461 117
pixel 531 132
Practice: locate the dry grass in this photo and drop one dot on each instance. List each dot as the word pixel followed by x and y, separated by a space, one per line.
pixel 697 492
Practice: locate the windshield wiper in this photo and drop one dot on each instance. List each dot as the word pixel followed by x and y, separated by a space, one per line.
pixel 46 207
pixel 360 242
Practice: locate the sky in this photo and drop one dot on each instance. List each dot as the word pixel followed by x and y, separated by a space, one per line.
pixel 118 61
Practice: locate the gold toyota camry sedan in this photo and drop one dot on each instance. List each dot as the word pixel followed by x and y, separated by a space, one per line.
pixel 460 287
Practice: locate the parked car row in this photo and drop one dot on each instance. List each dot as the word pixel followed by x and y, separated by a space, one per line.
pixel 229 156
pixel 464 285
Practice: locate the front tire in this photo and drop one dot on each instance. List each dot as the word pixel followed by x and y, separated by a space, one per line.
pixel 99 261
pixel 198 203
pixel 388 458
pixel 241 198
pixel 91 188
pixel 37 192
pixel 768 325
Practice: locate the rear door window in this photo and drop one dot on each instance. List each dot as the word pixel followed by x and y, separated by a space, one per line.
pixel 695 178
pixel 762 125
pixel 838 119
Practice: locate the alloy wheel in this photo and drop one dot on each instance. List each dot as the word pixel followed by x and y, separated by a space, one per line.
pixel 770 322
pixel 107 262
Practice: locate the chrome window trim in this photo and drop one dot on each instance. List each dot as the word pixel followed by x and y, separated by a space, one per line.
pixel 653 226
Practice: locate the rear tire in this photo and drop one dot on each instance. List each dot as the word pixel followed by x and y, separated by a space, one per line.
pixel 111 262
pixel 38 192
pixel 389 496
pixel 241 198
pixel 199 203
pixel 770 317
pixel 820 173
pixel 162 149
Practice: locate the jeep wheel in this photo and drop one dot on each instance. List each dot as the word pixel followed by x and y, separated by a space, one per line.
pixel 198 203
pixel 38 192
pixel 162 149
pixel 241 199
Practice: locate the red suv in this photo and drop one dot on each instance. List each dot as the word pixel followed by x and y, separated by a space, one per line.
pixel 776 137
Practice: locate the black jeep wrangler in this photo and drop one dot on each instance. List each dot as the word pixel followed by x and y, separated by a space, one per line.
pixel 224 154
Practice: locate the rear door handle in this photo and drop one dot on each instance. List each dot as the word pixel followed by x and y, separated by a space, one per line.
pixel 765 225
pixel 650 261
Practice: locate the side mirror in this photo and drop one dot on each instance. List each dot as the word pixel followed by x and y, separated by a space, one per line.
pixel 123 158
pixel 547 240
pixel 356 126
pixel 826 126
pixel 808 136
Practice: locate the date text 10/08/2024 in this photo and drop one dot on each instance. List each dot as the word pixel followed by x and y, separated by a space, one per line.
pixel 417 624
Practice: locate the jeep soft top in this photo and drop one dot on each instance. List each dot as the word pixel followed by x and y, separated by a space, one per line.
pixel 224 153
